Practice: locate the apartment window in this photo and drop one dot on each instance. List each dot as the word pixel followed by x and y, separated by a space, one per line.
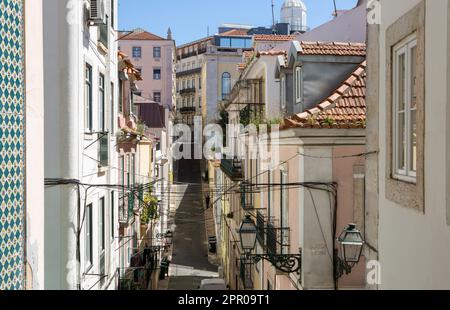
pixel 122 176
pixel 200 102
pixel 102 228
pixel 113 108
pixel 157 74
pixel 157 52
pixel 101 102
pixel 284 177
pixel 269 195
pixel 404 83
pixel 157 97
pixel 113 223
pixel 199 83
pixel 193 83
pixel 88 237
pixel 405 110
pixel 88 98
pixel 137 52
pixel 133 170
pixel 120 96
pixel 298 84
pixel 226 85
pixel 283 92
pixel 112 13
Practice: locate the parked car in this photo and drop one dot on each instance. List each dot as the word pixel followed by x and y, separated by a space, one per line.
pixel 213 285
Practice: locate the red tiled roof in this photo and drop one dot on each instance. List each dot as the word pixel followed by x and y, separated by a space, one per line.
pixel 273 37
pixel 235 32
pixel 344 108
pixel 140 34
pixel 333 48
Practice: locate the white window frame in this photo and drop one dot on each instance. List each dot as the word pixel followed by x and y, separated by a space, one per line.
pixel 283 92
pixel 403 48
pixel 298 84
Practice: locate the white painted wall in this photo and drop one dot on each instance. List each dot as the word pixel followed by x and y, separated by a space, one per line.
pixel 34 145
pixel 68 45
pixel 415 247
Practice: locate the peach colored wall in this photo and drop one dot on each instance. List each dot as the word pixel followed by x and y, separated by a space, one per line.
pixel 147 63
pixel 343 174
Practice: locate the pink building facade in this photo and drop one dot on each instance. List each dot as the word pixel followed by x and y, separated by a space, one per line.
pixel 153 56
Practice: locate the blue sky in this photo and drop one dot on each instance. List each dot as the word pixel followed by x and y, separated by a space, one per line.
pixel 189 19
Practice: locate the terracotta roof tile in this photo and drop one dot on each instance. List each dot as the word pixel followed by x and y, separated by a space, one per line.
pixel 273 37
pixel 333 48
pixel 140 34
pixel 344 108
pixel 235 32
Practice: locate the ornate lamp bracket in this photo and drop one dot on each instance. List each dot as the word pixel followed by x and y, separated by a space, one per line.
pixel 287 263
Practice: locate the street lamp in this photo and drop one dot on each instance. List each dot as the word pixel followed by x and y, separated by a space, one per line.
pixel 287 263
pixel 247 234
pixel 351 243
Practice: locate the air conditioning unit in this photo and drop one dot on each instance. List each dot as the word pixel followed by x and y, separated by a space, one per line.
pixel 97 12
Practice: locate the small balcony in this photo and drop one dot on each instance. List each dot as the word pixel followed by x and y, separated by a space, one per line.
pixel 232 168
pixel 138 275
pixel 186 110
pixel 278 241
pixel 260 228
pixel 123 214
pixel 247 201
pixel 187 91
pixel 189 72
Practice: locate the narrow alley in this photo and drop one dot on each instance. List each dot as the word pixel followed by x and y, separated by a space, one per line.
pixel 190 248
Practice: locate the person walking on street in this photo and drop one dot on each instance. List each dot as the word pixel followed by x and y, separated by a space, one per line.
pixel 207 200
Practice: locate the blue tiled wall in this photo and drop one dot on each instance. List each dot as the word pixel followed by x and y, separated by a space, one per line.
pixel 12 144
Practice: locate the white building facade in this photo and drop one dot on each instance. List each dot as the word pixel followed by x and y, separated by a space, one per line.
pixel 407 186
pixel 81 195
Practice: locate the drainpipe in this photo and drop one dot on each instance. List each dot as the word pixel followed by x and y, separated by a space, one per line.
pixel 70 76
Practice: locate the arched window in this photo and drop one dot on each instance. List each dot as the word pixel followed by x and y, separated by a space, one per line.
pixel 226 85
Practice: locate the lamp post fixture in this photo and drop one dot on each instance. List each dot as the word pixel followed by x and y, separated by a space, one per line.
pixel 287 263
pixel 169 237
pixel 351 244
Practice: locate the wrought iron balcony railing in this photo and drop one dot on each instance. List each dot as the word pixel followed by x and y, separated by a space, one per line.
pixel 184 110
pixel 277 240
pixel 247 201
pixel 187 91
pixel 232 168
pixel 189 72
pixel 260 228
pixel 123 213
